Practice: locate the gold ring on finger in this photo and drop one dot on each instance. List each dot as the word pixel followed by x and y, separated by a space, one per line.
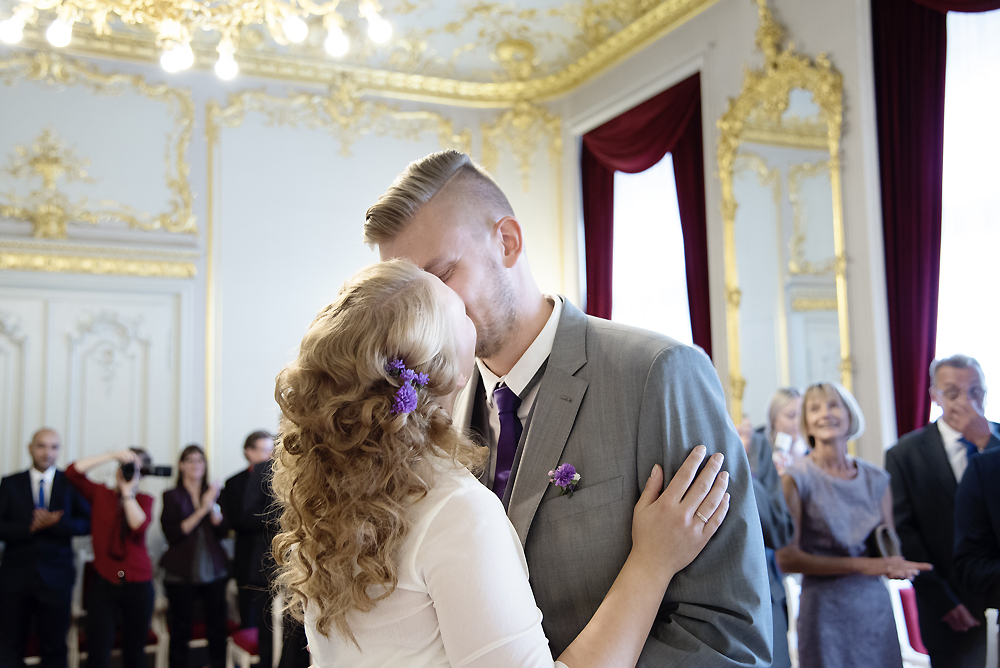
pixel 701 517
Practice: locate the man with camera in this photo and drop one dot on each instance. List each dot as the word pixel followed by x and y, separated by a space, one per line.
pixel 123 573
pixel 40 512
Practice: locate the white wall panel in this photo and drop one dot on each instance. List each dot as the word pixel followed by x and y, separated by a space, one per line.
pixel 102 367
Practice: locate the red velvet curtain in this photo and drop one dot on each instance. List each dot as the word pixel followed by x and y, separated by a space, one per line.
pixel 633 142
pixel 960 5
pixel 910 40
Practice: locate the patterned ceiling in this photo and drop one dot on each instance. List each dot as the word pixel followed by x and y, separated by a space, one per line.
pixel 473 40
pixel 467 52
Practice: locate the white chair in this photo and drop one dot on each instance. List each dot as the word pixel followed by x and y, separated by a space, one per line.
pixel 793 588
pixel 912 658
pixel 242 649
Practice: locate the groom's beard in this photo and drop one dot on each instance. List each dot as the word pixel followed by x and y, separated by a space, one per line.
pixel 496 316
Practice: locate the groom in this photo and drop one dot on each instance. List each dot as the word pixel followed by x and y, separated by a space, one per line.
pixel 554 386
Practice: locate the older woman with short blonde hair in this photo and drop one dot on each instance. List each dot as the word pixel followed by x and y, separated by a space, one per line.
pixel 836 501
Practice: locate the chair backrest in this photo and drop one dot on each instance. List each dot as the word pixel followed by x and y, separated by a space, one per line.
pixel 908 597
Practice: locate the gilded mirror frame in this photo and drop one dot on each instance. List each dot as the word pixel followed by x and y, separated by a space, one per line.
pixel 768 90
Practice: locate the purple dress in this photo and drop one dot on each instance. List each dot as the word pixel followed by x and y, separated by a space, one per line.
pixel 845 621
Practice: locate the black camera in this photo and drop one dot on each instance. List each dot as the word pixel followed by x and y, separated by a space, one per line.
pixel 128 471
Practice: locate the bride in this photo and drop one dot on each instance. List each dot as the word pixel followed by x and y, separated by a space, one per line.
pixel 391 551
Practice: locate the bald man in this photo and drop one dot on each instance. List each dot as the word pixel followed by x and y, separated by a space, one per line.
pixel 40 512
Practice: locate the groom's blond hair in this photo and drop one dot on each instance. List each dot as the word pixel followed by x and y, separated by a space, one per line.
pixel 421 181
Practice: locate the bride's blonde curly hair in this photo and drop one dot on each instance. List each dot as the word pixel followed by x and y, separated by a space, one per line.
pixel 347 468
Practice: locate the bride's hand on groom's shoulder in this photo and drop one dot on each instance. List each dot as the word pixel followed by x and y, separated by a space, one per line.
pixel 671 528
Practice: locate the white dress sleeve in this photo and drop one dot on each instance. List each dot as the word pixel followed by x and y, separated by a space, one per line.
pixel 474 569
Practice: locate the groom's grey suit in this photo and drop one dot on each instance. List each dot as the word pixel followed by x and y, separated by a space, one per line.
pixel 614 401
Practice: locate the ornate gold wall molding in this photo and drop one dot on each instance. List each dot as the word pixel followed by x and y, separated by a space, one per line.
pixel 804 304
pixel 77 264
pixel 647 28
pixel 800 134
pixel 342 113
pixel 524 128
pixel 797 263
pixel 770 177
pixel 54 70
pixel 765 96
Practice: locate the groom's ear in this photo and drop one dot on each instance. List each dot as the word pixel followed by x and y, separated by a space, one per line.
pixel 507 232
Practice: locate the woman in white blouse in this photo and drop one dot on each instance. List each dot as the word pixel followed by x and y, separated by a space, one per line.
pixel 391 550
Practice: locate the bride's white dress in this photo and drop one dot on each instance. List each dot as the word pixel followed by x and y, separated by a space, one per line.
pixel 463 597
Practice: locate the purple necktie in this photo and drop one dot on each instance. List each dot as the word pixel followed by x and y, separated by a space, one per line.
pixel 510 434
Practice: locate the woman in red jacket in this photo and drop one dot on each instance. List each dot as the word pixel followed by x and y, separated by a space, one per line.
pixel 195 562
pixel 124 574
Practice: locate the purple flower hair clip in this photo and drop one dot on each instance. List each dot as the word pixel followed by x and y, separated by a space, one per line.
pixel 566 477
pixel 406 396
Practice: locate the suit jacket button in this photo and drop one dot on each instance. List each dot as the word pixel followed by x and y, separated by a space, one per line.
pixel 121 574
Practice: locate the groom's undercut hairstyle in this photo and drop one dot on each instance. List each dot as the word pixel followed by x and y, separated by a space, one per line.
pixel 422 180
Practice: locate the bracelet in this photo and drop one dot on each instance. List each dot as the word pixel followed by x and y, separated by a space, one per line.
pixel 128 498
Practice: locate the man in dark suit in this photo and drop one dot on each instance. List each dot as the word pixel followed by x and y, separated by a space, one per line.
pixel 260 508
pixel 249 535
pixel 40 512
pixel 977 528
pixel 926 467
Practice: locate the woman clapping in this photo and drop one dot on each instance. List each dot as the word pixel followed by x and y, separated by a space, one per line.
pixel 195 562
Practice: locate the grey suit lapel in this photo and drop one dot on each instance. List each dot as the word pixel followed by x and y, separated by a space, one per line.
pixel 559 397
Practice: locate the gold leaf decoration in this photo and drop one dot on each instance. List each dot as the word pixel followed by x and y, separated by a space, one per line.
pixel 523 128
pixel 342 113
pixel 50 210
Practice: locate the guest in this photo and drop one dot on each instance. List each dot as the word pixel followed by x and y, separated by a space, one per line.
pixel 836 501
pixel 393 551
pixel 195 562
pixel 259 505
pixel 250 544
pixel 782 428
pixel 776 523
pixel 123 582
pixel 40 512
pixel 926 467
pixel 977 528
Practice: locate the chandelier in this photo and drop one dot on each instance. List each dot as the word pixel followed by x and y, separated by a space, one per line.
pixel 176 21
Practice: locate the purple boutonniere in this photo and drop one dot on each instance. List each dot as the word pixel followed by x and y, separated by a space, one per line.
pixel 566 477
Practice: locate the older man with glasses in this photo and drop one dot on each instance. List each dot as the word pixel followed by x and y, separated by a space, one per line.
pixel 927 466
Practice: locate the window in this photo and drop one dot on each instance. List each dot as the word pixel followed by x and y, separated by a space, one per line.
pixel 968 313
pixel 649 280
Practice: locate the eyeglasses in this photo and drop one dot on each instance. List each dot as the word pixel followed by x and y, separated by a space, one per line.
pixel 975 394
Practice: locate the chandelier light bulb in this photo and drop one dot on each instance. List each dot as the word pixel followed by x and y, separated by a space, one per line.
pixel 295 29
pixel 11 30
pixel 379 29
pixel 336 43
pixel 178 57
pixel 226 66
pixel 60 33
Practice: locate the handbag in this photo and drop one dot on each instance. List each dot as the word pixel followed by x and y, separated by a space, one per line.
pixel 884 542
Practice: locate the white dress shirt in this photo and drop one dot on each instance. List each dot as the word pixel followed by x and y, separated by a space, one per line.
pixel 38 478
pixel 462 597
pixel 523 378
pixel 958 456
